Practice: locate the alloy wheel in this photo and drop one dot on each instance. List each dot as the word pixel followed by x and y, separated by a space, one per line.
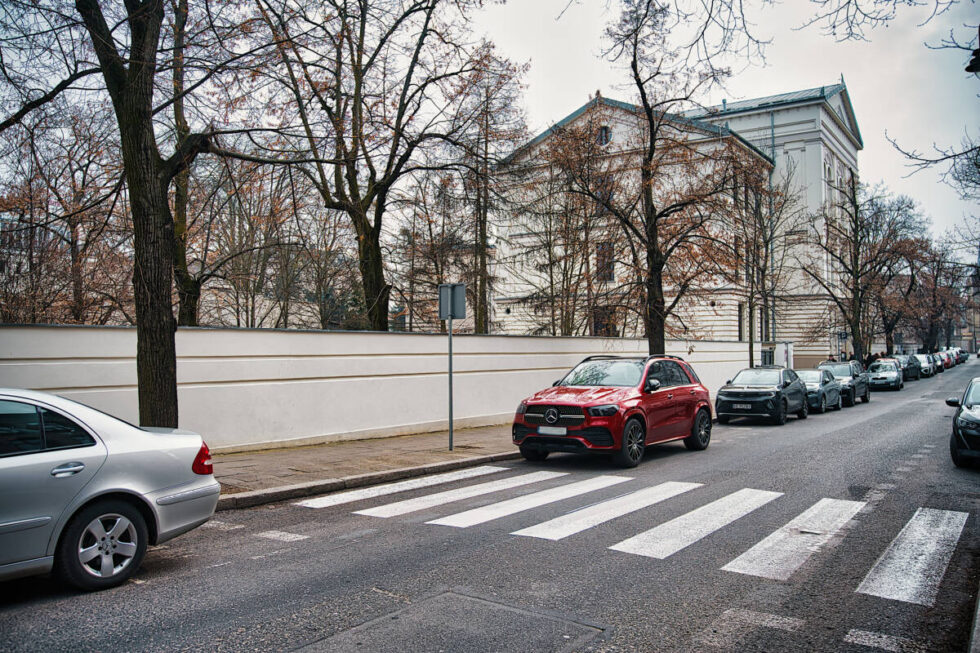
pixel 107 545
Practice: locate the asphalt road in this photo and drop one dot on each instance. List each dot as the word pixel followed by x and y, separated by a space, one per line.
pixel 849 531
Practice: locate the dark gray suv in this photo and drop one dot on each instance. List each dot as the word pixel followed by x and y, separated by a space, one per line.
pixel 853 380
pixel 767 391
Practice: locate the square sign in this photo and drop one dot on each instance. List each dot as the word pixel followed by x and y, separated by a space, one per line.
pixel 452 301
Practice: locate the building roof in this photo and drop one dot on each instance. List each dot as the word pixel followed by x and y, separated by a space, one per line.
pixel 701 125
pixel 820 93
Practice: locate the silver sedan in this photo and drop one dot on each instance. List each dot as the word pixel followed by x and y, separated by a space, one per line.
pixel 83 493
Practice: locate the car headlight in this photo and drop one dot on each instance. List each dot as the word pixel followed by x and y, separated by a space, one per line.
pixel 967 424
pixel 604 411
pixel 522 408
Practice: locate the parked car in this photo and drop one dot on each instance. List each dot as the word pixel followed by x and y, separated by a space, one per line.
pixel 947 360
pixel 83 493
pixel 616 405
pixel 766 391
pixel 911 368
pixel 822 390
pixel 886 373
pixel 926 365
pixel 964 443
pixel 938 360
pixel 852 378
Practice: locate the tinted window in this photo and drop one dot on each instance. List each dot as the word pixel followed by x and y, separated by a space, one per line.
pixel 691 373
pixel 827 377
pixel 20 428
pixel 60 432
pixel 790 375
pixel 674 373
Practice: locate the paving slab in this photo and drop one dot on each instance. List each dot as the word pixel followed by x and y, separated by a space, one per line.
pixel 256 477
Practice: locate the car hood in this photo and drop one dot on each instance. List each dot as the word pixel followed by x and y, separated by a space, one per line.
pixel 581 395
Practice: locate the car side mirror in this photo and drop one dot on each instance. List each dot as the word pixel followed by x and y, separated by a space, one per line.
pixel 556 383
pixel 729 381
pixel 652 385
pixel 953 401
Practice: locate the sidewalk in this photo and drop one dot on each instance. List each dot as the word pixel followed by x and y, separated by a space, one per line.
pixel 257 477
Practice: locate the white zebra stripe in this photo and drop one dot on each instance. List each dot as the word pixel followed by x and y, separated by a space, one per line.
pixel 458 494
pixel 401 486
pixel 785 551
pixel 586 518
pixel 520 504
pixel 915 562
pixel 670 537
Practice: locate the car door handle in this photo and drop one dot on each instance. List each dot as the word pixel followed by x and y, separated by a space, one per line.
pixel 670 396
pixel 692 391
pixel 68 469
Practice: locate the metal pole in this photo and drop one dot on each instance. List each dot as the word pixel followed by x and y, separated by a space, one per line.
pixel 450 382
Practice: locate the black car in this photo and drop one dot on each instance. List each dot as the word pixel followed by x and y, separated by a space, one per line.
pixel 822 390
pixel 964 444
pixel 853 380
pixel 767 391
pixel 911 368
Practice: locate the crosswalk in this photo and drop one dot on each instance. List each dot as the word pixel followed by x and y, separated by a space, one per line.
pixel 910 570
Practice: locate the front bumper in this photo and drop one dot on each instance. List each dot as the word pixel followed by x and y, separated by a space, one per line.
pixel 745 406
pixel 967 439
pixel 886 383
pixel 594 434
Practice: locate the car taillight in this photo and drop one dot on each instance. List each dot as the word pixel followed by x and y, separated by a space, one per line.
pixel 202 462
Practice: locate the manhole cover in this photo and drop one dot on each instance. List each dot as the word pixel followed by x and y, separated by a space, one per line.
pixel 457 622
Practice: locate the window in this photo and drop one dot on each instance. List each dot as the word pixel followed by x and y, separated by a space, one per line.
pixel 675 374
pixel 605 262
pixel 604 321
pixel 20 429
pixel 62 433
pixel 741 322
pixel 602 138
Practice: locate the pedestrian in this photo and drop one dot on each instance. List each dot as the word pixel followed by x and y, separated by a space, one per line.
pixel 830 358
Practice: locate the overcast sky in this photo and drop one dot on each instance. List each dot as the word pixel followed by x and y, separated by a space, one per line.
pixel 919 96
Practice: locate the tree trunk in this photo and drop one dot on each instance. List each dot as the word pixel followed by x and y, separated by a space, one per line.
pixel 654 321
pixel 377 292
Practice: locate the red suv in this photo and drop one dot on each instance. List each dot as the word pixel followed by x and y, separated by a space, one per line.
pixel 616 405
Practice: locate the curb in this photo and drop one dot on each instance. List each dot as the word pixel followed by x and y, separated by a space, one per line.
pixel 974 646
pixel 284 492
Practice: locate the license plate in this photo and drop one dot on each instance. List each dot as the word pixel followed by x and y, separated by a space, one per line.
pixel 552 430
pixel 742 406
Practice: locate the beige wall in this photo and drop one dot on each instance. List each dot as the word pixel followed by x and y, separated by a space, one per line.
pixel 245 389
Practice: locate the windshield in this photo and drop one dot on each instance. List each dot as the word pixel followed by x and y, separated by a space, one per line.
pixel 810 376
pixel 606 373
pixel 756 377
pixel 838 370
pixel 882 366
pixel 972 395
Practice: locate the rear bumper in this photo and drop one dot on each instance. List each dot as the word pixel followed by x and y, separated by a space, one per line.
pixel 183 509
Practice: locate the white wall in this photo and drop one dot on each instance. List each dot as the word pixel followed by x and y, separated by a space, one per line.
pixel 247 389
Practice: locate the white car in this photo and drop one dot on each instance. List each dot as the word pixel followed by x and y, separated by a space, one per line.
pixel 83 493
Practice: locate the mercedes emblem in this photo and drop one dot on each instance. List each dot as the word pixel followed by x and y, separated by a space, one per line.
pixel 551 415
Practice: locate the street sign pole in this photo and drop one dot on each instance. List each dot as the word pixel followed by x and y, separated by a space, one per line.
pixel 450 381
pixel 452 304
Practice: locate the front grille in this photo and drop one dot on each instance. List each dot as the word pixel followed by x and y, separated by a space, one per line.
pixel 597 436
pixel 553 444
pixel 567 415
pixel 738 394
pixel 520 432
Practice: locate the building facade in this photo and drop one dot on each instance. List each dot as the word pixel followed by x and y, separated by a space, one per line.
pixel 808 139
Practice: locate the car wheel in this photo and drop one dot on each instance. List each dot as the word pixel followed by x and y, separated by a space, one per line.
pixel 102 546
pixel 723 419
pixel 954 452
pixel 867 395
pixel 803 412
pixel 634 440
pixel 822 408
pixel 849 397
pixel 700 432
pixel 779 418
pixel 840 401
pixel 534 455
